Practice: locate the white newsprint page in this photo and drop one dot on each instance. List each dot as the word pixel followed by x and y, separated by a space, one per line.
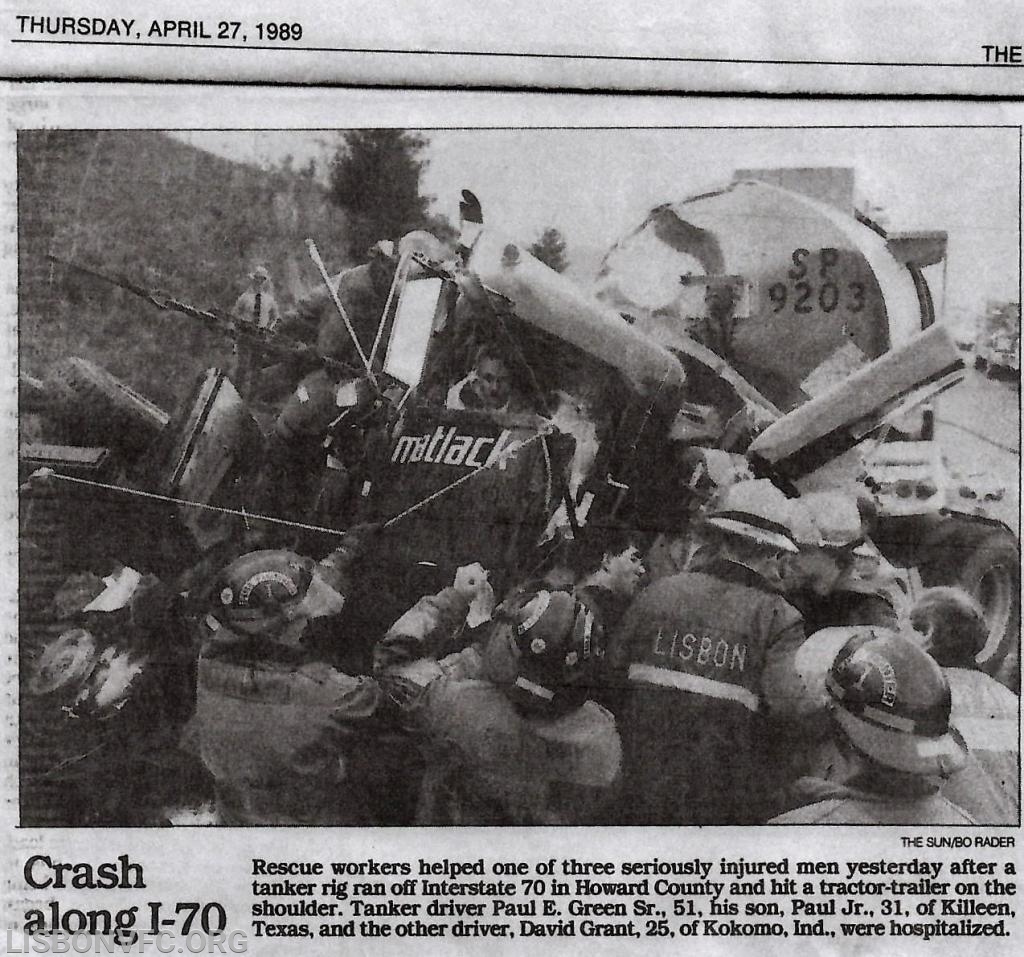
pixel 510 523
pixel 936 47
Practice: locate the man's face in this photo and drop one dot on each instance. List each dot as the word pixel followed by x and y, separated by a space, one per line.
pixel 493 384
pixel 770 567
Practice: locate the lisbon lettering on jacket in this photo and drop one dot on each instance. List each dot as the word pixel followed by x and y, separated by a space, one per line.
pixel 702 649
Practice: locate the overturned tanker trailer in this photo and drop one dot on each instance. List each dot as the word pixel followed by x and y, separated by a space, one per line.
pixel 822 311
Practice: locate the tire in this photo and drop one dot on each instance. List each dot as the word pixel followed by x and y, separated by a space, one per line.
pixel 986 564
pixel 97 408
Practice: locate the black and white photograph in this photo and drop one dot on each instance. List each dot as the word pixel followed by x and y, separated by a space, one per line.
pixel 380 476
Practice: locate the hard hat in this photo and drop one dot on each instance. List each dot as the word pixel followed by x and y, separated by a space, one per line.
pixel 892 701
pixel 558 645
pixel 256 592
pixel 754 509
pixel 835 517
pixel 422 242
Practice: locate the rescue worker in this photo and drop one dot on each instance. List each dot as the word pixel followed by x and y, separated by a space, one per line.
pixel 822 579
pixel 827 582
pixel 953 629
pixel 892 741
pixel 278 729
pixel 363 293
pixel 257 308
pixel 117 706
pixel 707 660
pixel 509 732
pixel 316 443
pixel 321 434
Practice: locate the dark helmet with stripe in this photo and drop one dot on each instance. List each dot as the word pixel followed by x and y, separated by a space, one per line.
pixel 558 646
pixel 892 702
pixel 257 593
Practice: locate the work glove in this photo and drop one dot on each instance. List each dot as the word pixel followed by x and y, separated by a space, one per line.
pixel 353 542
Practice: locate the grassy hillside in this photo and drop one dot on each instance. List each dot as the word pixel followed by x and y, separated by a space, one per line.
pixel 169 216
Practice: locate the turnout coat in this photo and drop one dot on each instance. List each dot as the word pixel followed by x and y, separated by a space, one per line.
pixel 706 658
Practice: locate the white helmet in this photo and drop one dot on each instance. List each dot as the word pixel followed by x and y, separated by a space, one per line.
pixel 754 509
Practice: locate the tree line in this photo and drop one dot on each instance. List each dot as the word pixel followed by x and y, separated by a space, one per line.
pixel 376 178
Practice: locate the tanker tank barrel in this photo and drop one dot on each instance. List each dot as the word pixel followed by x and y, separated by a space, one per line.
pixel 824 427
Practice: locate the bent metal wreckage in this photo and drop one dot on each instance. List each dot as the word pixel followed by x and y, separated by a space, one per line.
pixel 492 434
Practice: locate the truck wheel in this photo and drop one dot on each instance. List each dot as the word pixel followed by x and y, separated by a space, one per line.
pixel 99 409
pixel 992 575
pixel 990 571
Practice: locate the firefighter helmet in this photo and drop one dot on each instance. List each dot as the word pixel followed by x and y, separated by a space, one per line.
pixel 892 702
pixel 66 662
pixel 558 645
pixel 754 509
pixel 256 593
pixel 90 681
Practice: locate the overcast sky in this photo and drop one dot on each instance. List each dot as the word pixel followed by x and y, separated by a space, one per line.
pixel 596 185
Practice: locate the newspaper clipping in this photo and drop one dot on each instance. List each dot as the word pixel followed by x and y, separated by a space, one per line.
pixel 940 47
pixel 522 523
